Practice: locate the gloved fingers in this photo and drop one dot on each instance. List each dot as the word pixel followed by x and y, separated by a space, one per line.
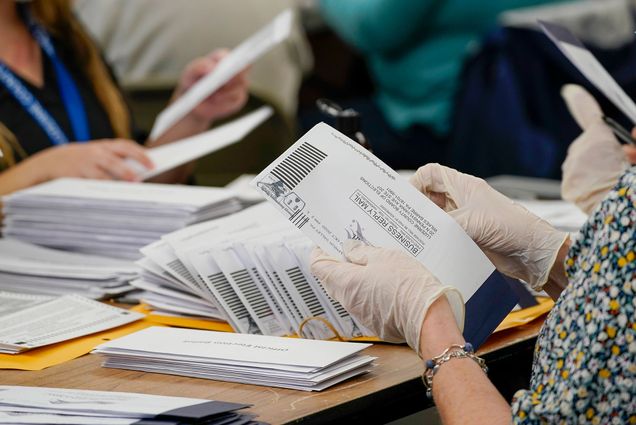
pixel 355 251
pixel 361 254
pixel 593 164
pixel 333 273
pixel 429 179
pixel 583 107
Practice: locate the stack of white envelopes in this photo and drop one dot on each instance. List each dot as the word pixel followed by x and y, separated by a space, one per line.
pixel 31 269
pixel 38 405
pixel 251 269
pixel 109 218
pixel 293 363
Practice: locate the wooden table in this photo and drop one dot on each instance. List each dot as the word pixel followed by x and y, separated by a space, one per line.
pixel 391 391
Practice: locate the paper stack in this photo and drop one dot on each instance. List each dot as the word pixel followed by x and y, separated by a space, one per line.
pixel 10 302
pixel 27 268
pixel 38 405
pixel 57 320
pixel 293 363
pixel 251 269
pixel 109 218
pixel 562 215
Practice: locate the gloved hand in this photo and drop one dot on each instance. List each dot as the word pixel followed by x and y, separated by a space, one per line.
pixel 387 290
pixel 519 244
pixel 595 159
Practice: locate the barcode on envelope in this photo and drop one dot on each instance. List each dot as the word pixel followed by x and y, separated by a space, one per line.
pixel 251 292
pixel 288 298
pixel 220 282
pixel 299 219
pixel 297 165
pixel 297 278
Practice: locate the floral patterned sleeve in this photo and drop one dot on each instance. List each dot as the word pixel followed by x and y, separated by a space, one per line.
pixel 584 369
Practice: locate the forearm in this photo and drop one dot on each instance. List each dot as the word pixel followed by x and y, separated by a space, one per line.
pixel 462 392
pixel 557 280
pixel 24 174
pixel 189 126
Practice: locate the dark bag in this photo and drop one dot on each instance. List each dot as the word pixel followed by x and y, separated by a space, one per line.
pixel 509 117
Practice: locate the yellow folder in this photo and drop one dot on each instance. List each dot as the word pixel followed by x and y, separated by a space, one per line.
pixel 51 355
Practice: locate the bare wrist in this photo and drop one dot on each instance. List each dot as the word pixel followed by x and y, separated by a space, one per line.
pixel 439 329
pixel 34 170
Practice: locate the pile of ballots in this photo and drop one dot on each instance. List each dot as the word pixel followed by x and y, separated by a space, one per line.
pixel 40 405
pixel 293 363
pixel 108 218
pixel 44 322
pixel 30 269
pixel 250 269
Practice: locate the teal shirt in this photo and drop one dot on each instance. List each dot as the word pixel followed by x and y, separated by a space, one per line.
pixel 415 49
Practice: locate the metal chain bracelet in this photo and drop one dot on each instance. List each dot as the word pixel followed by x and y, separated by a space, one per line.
pixel 455 351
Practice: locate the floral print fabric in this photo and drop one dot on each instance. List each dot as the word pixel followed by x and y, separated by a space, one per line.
pixel 584 369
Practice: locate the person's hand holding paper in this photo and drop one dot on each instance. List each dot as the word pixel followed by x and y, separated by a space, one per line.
pixel 333 190
pixel 595 160
pixel 210 82
pixel 229 98
pixel 520 244
pixel 386 289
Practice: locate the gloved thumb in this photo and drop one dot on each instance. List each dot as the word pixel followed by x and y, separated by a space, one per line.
pixel 333 273
pixel 583 107
pixel 355 252
pixel 361 254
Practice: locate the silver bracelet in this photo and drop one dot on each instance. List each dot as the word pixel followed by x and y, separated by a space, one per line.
pixel 455 351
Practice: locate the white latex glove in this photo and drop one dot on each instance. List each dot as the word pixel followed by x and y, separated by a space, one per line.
pixel 595 159
pixel 387 290
pixel 519 243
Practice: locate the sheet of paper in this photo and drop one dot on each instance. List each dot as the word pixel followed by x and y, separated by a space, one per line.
pixel 237 60
pixel 590 67
pixel 224 348
pixel 20 257
pixel 51 355
pixel 333 190
pixel 245 285
pixel 560 214
pixel 171 155
pixel 57 320
pixel 245 192
pixel 73 192
pixel 131 405
pixel 10 302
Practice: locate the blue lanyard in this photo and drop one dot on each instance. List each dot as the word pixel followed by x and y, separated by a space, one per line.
pixel 68 92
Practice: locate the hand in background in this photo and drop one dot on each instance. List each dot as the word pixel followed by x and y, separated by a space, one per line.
pixel 228 99
pixel 595 160
pixel 99 159
pixel 388 291
pixel 520 244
